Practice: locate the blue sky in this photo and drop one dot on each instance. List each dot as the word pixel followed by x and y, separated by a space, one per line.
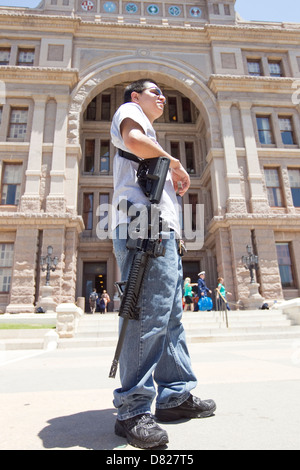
pixel 261 10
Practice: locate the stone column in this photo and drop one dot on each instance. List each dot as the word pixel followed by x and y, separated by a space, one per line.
pixel 258 200
pixel 239 238
pixel 271 287
pixel 56 201
pixel 224 258
pixel 235 202
pixel 30 201
pixel 5 120
pixel 287 189
pixel 218 185
pixel 22 293
pixel 70 269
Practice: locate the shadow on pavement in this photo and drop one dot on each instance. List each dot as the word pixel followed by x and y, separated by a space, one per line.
pixel 92 429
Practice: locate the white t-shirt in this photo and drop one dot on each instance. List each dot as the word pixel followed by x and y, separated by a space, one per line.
pixel 125 172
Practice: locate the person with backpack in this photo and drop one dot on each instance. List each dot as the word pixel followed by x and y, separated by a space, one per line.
pixel 93 300
pixel 102 305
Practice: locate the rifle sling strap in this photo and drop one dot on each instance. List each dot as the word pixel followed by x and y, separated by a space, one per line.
pixel 129 156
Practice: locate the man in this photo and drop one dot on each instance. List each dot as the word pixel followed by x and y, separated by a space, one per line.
pixel 205 303
pixel 155 347
pixel 203 290
pixel 93 300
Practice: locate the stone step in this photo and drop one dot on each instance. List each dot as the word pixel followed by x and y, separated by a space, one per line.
pixel 193 328
pixel 21 344
pixel 102 330
pixel 112 319
pixel 23 334
pixel 28 339
pixel 199 337
pixel 290 333
pixel 93 325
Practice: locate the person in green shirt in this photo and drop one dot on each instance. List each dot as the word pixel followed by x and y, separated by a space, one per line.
pixel 222 291
pixel 188 294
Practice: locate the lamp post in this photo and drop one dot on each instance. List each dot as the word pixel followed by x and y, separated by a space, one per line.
pixel 48 264
pixel 250 262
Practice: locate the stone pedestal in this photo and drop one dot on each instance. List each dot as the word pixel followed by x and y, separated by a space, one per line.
pixel 81 303
pixel 46 302
pixel 291 308
pixel 255 300
pixel 67 319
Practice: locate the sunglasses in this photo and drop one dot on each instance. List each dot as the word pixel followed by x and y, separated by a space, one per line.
pixel 157 91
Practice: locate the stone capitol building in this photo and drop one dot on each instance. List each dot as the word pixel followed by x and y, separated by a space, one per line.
pixel 232 117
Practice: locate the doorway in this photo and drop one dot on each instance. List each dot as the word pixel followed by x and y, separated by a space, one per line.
pixel 94 276
pixel 191 270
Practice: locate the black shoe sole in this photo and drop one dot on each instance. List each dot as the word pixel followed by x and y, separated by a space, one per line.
pixel 121 432
pixel 165 416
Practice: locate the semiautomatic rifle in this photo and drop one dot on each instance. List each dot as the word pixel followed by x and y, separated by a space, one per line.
pixel 152 175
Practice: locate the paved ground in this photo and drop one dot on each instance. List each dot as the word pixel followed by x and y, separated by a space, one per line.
pixel 62 399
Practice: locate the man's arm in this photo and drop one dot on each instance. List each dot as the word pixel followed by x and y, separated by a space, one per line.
pixel 141 145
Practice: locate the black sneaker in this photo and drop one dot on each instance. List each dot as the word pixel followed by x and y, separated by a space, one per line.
pixel 142 431
pixel 193 407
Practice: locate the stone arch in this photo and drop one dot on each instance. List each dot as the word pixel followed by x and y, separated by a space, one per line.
pixel 165 72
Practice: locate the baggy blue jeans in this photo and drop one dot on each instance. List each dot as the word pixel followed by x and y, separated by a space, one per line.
pixel 154 349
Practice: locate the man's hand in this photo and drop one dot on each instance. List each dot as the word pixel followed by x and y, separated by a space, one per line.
pixel 144 147
pixel 181 180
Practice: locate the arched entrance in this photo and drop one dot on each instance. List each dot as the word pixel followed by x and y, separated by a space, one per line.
pixel 166 72
pixel 184 131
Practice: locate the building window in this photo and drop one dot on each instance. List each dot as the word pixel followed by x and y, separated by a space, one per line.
pixel 172 104
pixel 285 264
pixel 227 9
pixel 4 56
pixel 89 156
pixel 186 110
pixel 216 9
pixel 6 263
pixel 275 68
pixel 254 67
pixel 18 123
pixel 104 156
pixel 25 57
pixel 264 130
pixel 105 108
pixel 103 219
pixel 175 151
pixel 294 177
pixel 88 203
pixel 91 110
pixel 286 129
pixel 190 157
pixel 193 201
pixel 273 187
pixel 11 184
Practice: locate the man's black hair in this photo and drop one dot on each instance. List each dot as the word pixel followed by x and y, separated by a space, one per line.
pixel 138 86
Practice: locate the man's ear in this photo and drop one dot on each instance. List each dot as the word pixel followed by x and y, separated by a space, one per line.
pixel 135 97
